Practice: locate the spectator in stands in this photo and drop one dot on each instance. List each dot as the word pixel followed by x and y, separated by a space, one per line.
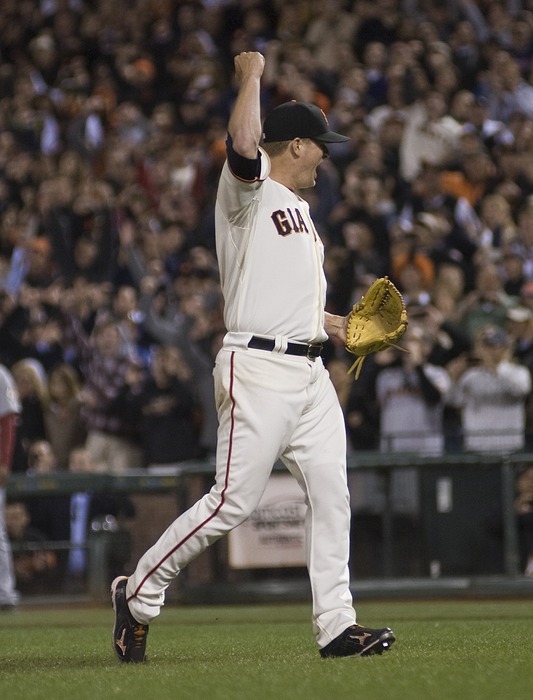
pixel 520 328
pixel 41 270
pixel 49 513
pixel 513 173
pixel 83 232
pixel 65 428
pixel 111 440
pixel 187 315
pixel 498 228
pixel 508 92
pixel 360 221
pixel 41 340
pixel 65 518
pixel 41 458
pixel 375 62
pixel 448 343
pixel 9 409
pixel 486 304
pixel 466 51
pixel 456 223
pixel 331 25
pixel 491 132
pixel 472 178
pixel 431 136
pixel 526 296
pixel 513 259
pixel 413 272
pixel 449 286
pixel 411 395
pixel 524 236
pixel 164 409
pixel 361 417
pixel 98 124
pixel 491 391
pixel 35 565
pixel 30 379
pixel 129 319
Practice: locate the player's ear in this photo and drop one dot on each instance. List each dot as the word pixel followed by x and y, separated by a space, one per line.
pixel 296 146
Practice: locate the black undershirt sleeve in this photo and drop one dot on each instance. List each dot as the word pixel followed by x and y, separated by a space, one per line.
pixel 243 168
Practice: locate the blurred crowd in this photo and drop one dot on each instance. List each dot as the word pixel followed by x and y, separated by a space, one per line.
pixel 112 136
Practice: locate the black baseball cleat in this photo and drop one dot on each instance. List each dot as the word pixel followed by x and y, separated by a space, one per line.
pixel 359 641
pixel 8 608
pixel 129 636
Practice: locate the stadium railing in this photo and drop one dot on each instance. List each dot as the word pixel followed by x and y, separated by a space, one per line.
pixel 174 479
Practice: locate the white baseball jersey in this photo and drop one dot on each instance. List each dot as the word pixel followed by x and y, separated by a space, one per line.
pixel 9 399
pixel 270 259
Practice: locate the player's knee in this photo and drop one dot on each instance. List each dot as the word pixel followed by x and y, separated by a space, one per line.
pixel 238 510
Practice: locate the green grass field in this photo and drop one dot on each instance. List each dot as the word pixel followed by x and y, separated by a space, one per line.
pixel 444 650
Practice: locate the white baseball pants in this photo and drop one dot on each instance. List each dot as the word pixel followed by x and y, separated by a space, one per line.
pixel 270 406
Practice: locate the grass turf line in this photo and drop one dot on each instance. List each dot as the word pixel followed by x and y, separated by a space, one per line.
pixel 444 650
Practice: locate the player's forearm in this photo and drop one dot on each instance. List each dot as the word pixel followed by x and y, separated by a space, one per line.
pixel 335 326
pixel 245 121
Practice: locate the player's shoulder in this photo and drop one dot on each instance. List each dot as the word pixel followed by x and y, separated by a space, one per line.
pixel 9 398
pixel 5 375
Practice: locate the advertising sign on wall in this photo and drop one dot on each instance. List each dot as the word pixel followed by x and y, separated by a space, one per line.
pixel 273 536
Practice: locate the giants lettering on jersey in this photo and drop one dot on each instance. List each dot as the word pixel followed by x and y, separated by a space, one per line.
pixel 288 222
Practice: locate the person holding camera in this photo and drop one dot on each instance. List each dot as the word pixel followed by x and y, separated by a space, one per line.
pixel 490 390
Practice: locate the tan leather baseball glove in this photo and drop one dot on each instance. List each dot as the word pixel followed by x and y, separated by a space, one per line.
pixel 378 321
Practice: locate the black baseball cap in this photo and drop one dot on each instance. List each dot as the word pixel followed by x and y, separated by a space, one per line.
pixel 292 120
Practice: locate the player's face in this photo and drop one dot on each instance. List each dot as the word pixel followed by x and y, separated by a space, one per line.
pixel 313 154
pixel 323 147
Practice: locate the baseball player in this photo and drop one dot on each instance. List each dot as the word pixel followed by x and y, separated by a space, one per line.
pixel 273 395
pixel 9 409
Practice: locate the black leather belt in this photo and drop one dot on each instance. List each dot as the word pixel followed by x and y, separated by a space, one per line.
pixel 311 351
